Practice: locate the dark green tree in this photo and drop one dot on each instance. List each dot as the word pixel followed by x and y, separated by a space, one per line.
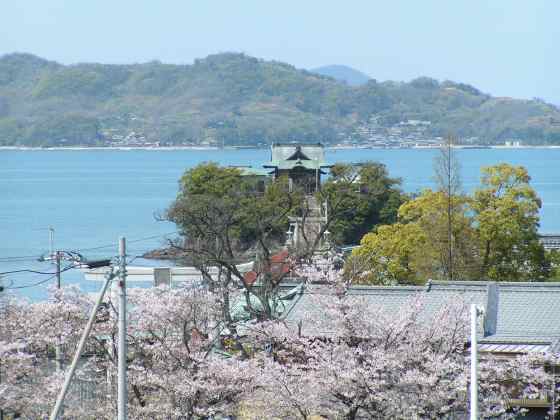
pixel 225 219
pixel 360 198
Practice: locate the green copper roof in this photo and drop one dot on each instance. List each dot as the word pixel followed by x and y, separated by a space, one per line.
pixel 254 172
pixel 291 164
pixel 250 171
pixel 287 297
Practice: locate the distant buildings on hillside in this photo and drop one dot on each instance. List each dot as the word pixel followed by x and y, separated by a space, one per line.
pixel 410 133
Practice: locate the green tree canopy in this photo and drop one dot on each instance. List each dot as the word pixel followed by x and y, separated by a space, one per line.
pixel 390 255
pixel 225 220
pixel 360 198
pixel 494 233
pixel 218 203
pixel 506 215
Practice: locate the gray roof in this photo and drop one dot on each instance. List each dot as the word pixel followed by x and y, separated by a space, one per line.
pixel 297 152
pixel 527 315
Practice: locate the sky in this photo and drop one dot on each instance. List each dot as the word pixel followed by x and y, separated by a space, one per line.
pixel 503 47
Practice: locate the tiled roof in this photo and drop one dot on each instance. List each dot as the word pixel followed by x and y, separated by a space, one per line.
pixel 513 348
pixel 313 152
pixel 279 266
pixel 533 308
pixel 527 313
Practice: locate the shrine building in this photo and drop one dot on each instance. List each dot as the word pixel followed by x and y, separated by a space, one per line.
pixel 302 163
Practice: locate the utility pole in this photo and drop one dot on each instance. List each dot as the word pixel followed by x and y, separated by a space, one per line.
pixel 122 351
pixel 70 374
pixel 59 355
pixel 56 256
pixel 57 409
pixel 1 410
pixel 1 309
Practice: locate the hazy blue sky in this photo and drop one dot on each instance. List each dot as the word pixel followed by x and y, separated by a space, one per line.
pixel 504 47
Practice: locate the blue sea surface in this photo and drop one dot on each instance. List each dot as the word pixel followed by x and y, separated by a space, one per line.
pixel 91 197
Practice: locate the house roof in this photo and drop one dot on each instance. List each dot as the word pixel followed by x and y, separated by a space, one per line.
pixel 291 164
pixel 291 155
pixel 526 315
pixel 279 265
pixel 287 297
pixel 250 171
pixel 285 151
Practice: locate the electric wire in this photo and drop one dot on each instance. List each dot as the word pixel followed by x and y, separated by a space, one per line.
pixel 34 257
pixel 165 235
pixel 27 270
pixel 31 285
pixel 20 258
pixel 147 238
pixel 54 274
pixel 11 287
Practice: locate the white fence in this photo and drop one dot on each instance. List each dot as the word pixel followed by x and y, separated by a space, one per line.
pixel 161 275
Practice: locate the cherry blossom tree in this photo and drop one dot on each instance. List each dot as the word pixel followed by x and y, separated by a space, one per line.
pixel 174 369
pixel 29 333
pixel 356 361
pixel 346 359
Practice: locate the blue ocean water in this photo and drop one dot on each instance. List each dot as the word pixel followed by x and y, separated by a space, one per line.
pixel 91 197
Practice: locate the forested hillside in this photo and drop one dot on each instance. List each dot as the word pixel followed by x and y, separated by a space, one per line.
pixel 233 99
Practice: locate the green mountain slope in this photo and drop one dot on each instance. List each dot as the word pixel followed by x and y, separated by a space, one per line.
pixel 234 99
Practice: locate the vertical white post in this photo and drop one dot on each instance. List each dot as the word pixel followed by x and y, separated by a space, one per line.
pixel 51 241
pixel 474 365
pixel 122 351
pixel 70 374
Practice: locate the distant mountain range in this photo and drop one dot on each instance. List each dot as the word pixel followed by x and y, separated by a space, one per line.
pixel 237 100
pixel 346 74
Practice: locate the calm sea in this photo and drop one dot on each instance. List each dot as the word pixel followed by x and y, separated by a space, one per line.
pixel 90 197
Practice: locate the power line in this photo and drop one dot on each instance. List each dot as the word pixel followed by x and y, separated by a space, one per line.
pixel 26 270
pixel 53 275
pixel 35 257
pixel 6 287
pixel 165 235
pixel 31 285
pixel 20 258
pixel 70 267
